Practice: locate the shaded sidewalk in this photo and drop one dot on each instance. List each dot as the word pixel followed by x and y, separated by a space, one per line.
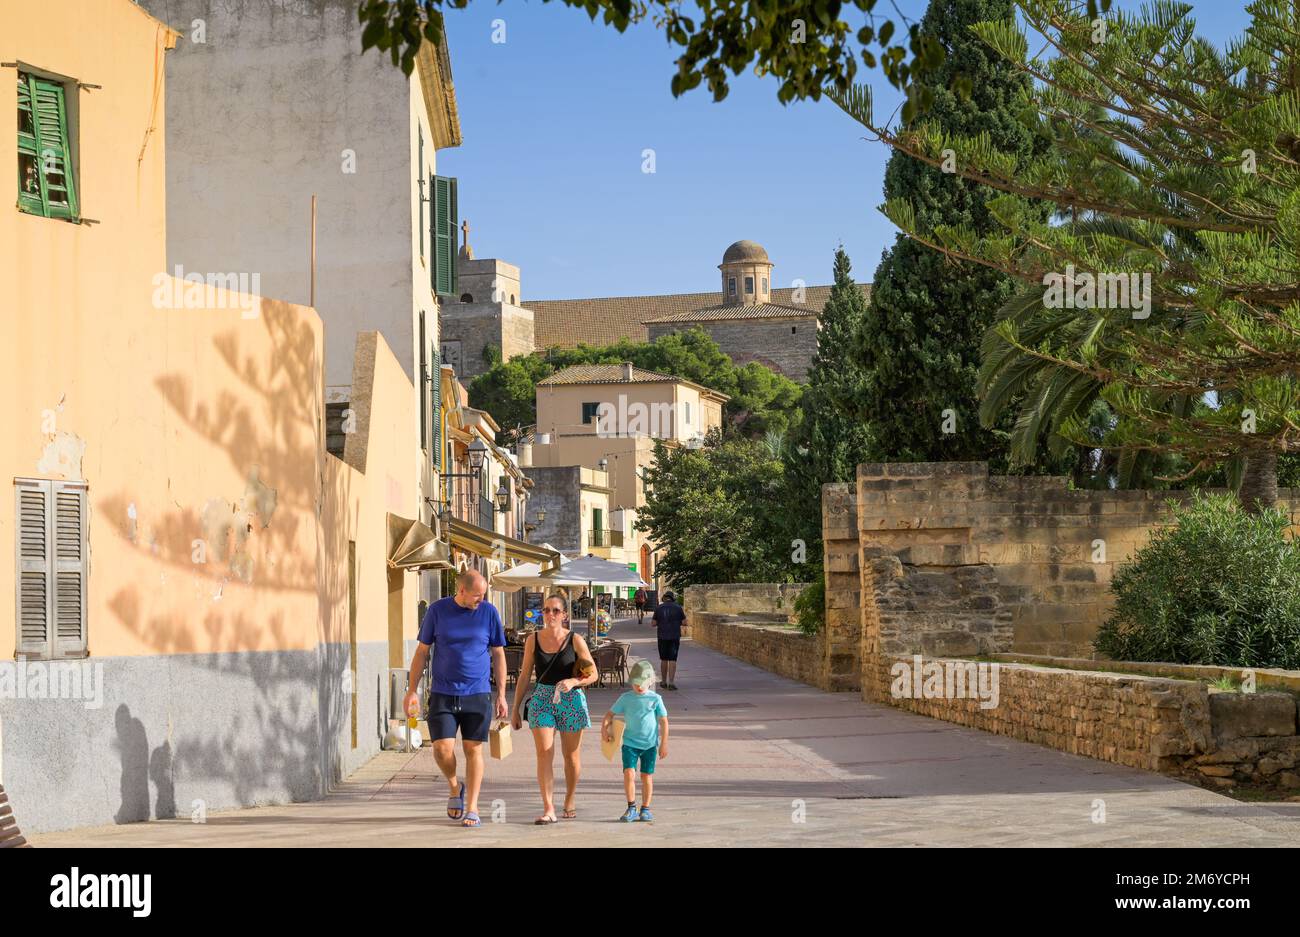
pixel 757 760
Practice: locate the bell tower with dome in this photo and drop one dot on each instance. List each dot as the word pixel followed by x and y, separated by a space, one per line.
pixel 746 275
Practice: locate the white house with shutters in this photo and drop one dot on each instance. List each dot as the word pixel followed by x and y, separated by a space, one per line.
pixel 270 104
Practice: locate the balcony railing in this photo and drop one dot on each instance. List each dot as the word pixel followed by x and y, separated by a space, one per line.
pixel 604 538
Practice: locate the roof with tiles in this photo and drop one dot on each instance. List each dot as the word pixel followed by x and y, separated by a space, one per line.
pixel 565 323
pixel 604 374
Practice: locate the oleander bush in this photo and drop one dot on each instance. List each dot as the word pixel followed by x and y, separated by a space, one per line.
pixel 1219 586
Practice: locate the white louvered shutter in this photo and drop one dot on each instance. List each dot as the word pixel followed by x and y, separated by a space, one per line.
pixel 70 568
pixel 35 602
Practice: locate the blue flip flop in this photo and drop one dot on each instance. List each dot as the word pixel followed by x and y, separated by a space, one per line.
pixel 453 802
pixel 471 820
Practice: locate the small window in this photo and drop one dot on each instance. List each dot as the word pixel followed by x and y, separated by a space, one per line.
pixel 731 285
pixel 512 300
pixel 45 183
pixel 686 406
pixel 51 553
pixel 466 298
pixel 749 285
pixel 764 284
pixel 792 328
pixel 589 412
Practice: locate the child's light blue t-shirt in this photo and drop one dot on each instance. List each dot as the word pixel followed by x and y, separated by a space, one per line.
pixel 640 712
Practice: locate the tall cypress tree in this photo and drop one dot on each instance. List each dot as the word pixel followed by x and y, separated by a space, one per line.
pixel 920 340
pixel 831 440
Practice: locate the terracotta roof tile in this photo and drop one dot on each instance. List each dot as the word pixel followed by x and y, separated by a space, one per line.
pixel 603 374
pixel 734 311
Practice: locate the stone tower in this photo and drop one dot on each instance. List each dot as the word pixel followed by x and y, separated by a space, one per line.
pixel 746 274
pixel 488 314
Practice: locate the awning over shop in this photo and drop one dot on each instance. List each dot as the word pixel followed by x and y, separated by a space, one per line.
pixel 487 543
pixel 412 545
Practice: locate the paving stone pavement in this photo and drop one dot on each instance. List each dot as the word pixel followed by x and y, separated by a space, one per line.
pixel 757 760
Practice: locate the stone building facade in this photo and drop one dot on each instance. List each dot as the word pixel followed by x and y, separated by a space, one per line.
pixel 749 317
pixel 488 315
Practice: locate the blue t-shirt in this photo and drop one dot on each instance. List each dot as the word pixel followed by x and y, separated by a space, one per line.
pixel 641 713
pixel 462 663
pixel 668 619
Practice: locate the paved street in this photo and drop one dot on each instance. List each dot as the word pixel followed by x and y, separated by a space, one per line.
pixel 756 760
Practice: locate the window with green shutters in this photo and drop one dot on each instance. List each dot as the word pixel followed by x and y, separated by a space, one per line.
pixel 442 233
pixel 45 183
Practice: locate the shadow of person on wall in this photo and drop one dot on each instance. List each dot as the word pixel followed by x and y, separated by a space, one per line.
pixel 132 745
pixel 160 772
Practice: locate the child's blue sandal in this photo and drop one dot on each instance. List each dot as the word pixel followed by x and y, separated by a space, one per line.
pixel 646 816
pixel 471 820
pixel 631 816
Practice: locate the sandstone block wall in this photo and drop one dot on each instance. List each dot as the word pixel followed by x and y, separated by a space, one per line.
pixel 784 345
pixel 752 621
pixel 958 562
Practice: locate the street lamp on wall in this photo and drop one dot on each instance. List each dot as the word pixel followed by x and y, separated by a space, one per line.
pixel 477 450
pixel 503 499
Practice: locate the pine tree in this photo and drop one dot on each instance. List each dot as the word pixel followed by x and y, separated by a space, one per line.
pixel 920 342
pixel 1171 292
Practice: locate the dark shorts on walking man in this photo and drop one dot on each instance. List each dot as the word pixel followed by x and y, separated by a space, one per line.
pixel 460 697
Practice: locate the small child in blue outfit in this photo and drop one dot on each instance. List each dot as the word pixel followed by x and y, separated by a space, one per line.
pixel 645 737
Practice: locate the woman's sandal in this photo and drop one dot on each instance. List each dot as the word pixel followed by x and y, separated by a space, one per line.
pixel 545 820
pixel 471 819
pixel 570 813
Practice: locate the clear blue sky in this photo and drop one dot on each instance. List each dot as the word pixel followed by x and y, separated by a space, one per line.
pixel 555 121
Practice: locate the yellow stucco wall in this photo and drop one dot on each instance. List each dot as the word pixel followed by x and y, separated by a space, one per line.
pixel 189 417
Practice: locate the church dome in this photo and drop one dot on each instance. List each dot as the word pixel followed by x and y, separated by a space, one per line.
pixel 743 251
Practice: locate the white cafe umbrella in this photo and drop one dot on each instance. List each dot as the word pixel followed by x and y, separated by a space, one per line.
pixel 591 571
pixel 524 576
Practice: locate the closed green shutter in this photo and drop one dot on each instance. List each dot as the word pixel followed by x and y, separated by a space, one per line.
pixel 45 184
pixel 444 225
pixel 421 386
pixel 437 410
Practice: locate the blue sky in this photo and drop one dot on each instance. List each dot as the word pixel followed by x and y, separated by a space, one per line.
pixel 556 120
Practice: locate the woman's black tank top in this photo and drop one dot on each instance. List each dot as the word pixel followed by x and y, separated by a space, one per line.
pixel 552 668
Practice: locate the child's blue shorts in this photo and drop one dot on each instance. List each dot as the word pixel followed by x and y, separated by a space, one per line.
pixel 646 756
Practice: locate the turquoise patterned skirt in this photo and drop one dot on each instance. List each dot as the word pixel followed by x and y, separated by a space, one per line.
pixel 568 715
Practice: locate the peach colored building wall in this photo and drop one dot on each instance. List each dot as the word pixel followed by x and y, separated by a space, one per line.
pixel 217 602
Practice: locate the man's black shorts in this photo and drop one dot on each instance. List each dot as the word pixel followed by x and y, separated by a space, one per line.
pixel 668 649
pixel 471 714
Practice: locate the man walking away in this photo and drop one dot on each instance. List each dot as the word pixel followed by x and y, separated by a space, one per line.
pixel 468 642
pixel 639 601
pixel 668 619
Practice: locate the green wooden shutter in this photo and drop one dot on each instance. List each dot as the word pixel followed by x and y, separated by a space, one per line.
pixel 32 507
pixel 44 103
pixel 422 386
pixel 444 225
pixel 437 410
pixel 30 193
pixel 69 568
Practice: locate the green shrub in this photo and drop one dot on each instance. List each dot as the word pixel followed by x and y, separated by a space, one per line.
pixel 810 605
pixel 1219 586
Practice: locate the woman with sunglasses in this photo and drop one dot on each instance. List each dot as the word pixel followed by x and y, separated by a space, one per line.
pixel 557 704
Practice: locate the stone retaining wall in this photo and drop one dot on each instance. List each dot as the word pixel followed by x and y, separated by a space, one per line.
pixel 754 622
pixel 778 648
pixel 1183 728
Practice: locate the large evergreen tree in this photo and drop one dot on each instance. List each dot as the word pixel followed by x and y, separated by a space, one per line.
pixel 920 341
pixel 831 440
pixel 1171 292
